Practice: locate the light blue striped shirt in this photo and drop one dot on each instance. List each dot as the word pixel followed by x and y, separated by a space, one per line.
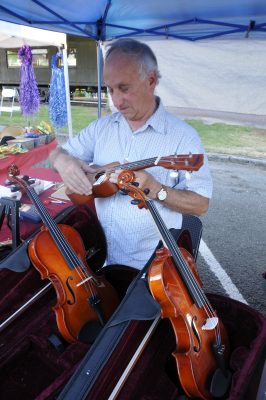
pixel 131 233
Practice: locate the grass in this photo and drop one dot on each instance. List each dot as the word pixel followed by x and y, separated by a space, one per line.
pixel 216 138
pixel 232 139
pixel 81 116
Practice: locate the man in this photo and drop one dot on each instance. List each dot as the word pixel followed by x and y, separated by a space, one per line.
pixel 140 129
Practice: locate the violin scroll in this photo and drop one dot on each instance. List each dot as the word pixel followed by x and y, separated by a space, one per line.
pixel 125 181
pixel 13 170
pixel 13 173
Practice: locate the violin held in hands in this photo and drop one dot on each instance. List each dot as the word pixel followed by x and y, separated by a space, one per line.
pixel 102 187
pixel 202 343
pixel 84 299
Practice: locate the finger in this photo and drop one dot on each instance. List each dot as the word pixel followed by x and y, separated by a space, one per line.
pixel 77 182
pixel 88 168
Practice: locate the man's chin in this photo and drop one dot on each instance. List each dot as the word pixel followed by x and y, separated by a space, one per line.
pixel 126 113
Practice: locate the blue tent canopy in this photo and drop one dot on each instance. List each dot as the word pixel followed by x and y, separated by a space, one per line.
pixel 108 19
pixel 103 20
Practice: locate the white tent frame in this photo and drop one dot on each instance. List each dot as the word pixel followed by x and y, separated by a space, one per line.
pixel 15 36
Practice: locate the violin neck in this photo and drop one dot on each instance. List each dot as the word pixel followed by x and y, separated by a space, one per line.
pixel 195 291
pixel 136 165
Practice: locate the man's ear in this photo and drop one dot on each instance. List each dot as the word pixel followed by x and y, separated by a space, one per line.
pixel 152 79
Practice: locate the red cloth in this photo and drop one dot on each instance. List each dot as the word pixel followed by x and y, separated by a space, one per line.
pixel 26 160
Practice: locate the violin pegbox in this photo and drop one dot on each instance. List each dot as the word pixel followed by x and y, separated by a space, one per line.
pixel 125 181
pixel 13 170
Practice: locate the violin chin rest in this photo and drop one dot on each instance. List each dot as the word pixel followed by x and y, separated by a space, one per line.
pixel 220 383
pixel 89 332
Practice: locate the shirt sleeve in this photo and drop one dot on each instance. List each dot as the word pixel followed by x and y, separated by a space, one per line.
pixel 82 145
pixel 197 181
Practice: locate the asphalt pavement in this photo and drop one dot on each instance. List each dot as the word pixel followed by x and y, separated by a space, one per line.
pixel 233 258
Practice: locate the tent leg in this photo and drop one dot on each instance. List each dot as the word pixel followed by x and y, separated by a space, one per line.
pixel 99 72
pixel 66 75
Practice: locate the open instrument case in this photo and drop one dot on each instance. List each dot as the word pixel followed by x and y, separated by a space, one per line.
pixel 131 357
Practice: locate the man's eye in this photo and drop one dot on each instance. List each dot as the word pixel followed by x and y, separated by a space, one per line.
pixel 124 89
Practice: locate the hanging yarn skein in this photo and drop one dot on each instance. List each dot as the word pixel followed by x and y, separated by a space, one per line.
pixel 57 94
pixel 29 97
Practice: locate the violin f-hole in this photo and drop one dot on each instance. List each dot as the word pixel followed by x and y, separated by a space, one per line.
pixel 70 302
pixel 196 333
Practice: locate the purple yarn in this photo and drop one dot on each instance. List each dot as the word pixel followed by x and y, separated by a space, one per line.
pixel 29 98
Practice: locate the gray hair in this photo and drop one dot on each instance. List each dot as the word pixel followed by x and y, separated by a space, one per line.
pixel 143 55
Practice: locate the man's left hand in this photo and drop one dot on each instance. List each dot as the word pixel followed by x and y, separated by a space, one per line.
pixel 145 181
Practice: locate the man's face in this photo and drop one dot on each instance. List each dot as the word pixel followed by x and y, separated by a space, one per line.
pixel 133 97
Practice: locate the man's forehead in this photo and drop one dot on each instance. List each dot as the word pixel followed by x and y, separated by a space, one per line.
pixel 121 61
pixel 119 72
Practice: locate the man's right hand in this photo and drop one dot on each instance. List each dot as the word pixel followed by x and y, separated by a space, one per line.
pixel 72 172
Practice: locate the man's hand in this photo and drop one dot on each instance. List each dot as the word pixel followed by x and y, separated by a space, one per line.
pixel 72 172
pixel 182 201
pixel 144 180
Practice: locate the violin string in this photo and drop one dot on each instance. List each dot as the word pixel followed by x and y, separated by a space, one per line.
pixel 186 270
pixel 189 275
pixel 134 164
pixel 65 247
pixel 149 162
pixel 77 264
pixel 171 241
pixel 206 304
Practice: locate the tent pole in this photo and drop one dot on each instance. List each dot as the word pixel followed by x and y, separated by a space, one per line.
pixel 99 77
pixel 69 118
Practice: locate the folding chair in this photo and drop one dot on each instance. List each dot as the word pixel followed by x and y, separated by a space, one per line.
pixel 8 97
pixel 194 225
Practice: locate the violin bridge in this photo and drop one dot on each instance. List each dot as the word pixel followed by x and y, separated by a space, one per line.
pixel 210 323
pixel 84 281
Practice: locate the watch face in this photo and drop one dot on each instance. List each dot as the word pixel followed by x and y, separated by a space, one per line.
pixel 162 194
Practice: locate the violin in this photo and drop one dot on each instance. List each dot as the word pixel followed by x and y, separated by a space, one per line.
pixel 102 187
pixel 84 300
pixel 202 343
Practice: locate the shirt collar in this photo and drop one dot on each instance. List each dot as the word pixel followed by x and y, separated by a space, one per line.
pixel 156 120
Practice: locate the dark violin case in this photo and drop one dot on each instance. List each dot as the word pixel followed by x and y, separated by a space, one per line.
pixel 131 357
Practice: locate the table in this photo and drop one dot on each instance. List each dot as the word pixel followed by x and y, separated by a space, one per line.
pixel 26 160
pixel 26 228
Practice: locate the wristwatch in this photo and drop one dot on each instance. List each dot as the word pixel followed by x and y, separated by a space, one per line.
pixel 162 194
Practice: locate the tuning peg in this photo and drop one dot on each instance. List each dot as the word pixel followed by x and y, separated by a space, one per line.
pixel 123 191
pixel 14 188
pixel 135 202
pixel 146 191
pixel 135 184
pixel 188 175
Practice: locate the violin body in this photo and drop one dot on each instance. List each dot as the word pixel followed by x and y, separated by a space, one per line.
pixel 196 363
pixel 73 309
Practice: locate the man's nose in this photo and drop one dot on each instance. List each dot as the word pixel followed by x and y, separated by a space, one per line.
pixel 117 98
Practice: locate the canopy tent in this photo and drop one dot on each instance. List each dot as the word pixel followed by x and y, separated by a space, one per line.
pixel 109 19
pixel 103 20
pixel 15 36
